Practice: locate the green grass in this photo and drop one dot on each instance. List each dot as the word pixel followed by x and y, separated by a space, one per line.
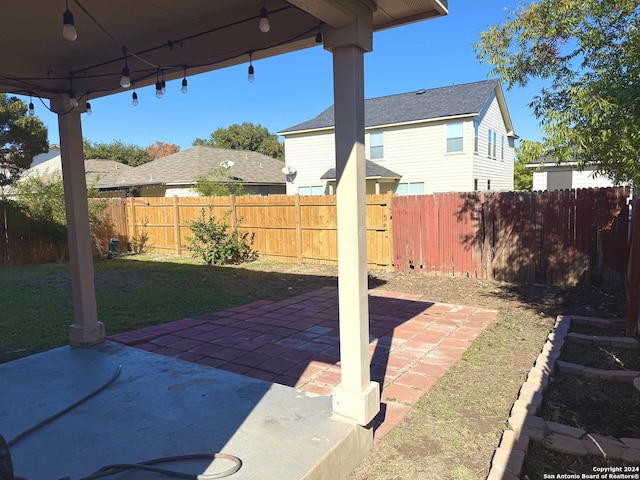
pixel 131 292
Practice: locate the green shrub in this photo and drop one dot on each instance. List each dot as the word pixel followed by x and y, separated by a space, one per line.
pixel 218 243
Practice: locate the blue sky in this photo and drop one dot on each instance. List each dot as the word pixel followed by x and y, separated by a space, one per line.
pixel 295 87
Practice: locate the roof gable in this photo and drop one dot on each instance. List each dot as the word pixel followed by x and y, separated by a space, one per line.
pixel 454 100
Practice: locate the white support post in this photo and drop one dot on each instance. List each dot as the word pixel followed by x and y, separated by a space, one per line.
pixel 357 398
pixel 86 329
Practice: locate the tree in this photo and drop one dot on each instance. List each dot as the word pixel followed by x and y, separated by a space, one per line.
pixel 528 152
pixel 22 137
pixel 121 152
pixel 588 51
pixel 247 136
pixel 43 198
pixel 219 182
pixel 160 149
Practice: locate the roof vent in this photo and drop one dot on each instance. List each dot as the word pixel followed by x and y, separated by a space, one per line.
pixel 420 92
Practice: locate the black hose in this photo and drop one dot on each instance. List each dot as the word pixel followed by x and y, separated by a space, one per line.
pixel 50 419
pixel 148 466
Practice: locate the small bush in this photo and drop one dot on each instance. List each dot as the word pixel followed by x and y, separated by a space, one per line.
pixel 218 243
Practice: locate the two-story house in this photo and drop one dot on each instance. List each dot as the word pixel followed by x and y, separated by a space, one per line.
pixel 449 139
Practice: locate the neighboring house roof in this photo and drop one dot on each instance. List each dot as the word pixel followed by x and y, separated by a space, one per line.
pixel 184 167
pixel 95 169
pixel 92 167
pixel 468 99
pixel 372 170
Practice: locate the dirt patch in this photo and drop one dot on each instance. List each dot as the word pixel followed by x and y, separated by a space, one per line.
pixel 606 408
pixel 604 357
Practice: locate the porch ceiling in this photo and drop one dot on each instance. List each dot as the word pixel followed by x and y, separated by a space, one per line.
pixel 166 36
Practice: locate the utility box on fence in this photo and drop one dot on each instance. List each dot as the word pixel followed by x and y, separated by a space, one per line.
pixel 114 246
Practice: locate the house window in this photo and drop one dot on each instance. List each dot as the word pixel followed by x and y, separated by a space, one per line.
pixel 476 140
pixel 489 137
pixel 454 137
pixel 475 184
pixel 502 149
pixel 376 146
pixel 311 190
pixel 410 188
pixel 495 142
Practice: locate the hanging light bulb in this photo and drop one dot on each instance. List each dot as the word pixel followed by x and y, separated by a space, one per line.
pixel 251 77
pixel 158 89
pixel 88 110
pixel 68 29
pixel 265 26
pixel 319 35
pixel 183 89
pixel 134 99
pixel 163 87
pixel 73 101
pixel 125 80
pixel 32 110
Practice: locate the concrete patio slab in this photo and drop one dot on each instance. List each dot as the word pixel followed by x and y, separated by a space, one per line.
pixel 161 406
pixel 254 381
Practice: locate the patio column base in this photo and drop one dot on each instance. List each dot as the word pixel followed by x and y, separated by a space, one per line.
pixel 359 407
pixel 85 336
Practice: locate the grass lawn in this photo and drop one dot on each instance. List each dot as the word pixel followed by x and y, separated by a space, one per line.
pixel 131 292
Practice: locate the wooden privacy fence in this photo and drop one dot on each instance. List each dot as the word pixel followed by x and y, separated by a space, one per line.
pixel 560 237
pixel 298 229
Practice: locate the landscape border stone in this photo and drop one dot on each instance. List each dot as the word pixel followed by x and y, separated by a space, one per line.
pixel 525 426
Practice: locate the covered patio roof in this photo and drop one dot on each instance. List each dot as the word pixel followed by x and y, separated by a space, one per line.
pixel 163 38
pixel 150 41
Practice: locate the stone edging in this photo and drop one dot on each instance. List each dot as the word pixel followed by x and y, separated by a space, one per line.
pixel 525 425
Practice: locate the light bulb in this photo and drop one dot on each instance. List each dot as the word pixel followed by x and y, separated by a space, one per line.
pixel 251 76
pixel 158 89
pixel 319 37
pixel 184 86
pixel 73 101
pixel 32 110
pixel 265 26
pixel 163 87
pixel 88 110
pixel 68 30
pixel 125 81
pixel 134 99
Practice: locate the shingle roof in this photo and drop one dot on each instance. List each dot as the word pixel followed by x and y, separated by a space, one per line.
pixel 95 168
pixel 184 167
pixel 465 99
pixel 372 170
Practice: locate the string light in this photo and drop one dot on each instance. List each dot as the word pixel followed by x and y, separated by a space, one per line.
pixel 125 80
pixel 88 110
pixel 319 34
pixel 70 34
pixel 265 26
pixel 32 110
pixel 68 29
pixel 134 96
pixel 251 77
pixel 183 89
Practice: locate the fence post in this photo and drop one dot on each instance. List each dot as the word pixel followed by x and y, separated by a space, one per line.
pixel 134 233
pixel 176 225
pixel 298 228
pixel 390 229
pixel 234 213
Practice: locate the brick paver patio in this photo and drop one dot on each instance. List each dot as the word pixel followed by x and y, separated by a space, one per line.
pixel 295 342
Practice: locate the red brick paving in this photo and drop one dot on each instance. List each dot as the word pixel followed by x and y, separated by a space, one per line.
pixel 296 342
